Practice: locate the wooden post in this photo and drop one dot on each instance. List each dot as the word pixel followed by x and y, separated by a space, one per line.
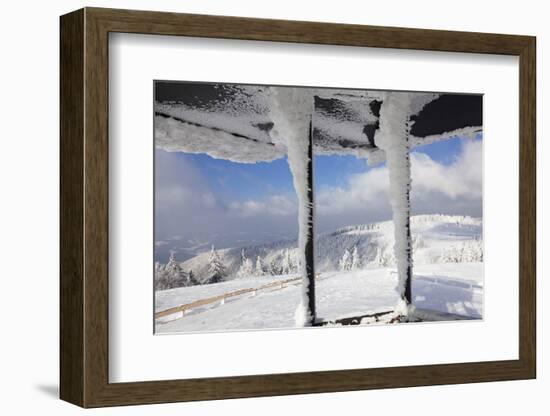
pixel 310 252
pixel 408 283
pixel 402 215
pixel 393 138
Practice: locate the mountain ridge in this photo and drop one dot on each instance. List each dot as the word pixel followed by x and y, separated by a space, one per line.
pixel 436 238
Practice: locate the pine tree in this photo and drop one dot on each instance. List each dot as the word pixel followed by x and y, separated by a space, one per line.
pixel 345 261
pixel 355 261
pixel 286 267
pixel 177 276
pixel 259 267
pixel 191 278
pixel 274 269
pixel 161 282
pixel 245 270
pixel 170 275
pixel 172 265
pixel 216 269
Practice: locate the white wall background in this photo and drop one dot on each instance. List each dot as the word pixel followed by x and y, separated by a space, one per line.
pixel 29 206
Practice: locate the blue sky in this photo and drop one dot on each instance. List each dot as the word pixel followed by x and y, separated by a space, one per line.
pixel 241 181
pixel 196 194
pixel 445 151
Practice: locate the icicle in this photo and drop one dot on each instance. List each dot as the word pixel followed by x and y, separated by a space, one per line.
pixel 291 113
pixel 393 138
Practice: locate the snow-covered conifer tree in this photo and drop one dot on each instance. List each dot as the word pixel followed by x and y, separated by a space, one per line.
pixel 171 275
pixel 216 269
pixel 259 271
pixel 345 262
pixel 172 265
pixel 355 260
pixel 246 269
pixel 161 281
pixel 286 267
pixel 191 278
pixel 274 269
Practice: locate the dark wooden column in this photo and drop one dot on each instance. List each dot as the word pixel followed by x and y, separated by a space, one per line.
pixel 310 251
pixel 408 283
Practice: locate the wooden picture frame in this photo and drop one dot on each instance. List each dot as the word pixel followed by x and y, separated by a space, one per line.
pixel 84 207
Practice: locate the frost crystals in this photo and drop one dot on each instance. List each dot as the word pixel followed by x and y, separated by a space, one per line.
pixel 291 112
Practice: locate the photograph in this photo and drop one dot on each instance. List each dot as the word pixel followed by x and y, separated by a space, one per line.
pixel 281 207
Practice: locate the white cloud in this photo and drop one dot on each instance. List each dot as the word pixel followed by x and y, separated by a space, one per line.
pixel 275 205
pixel 455 188
pixel 363 191
pixel 460 179
pixel 186 204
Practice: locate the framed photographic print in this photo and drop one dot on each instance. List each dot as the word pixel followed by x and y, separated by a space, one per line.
pixel 257 207
pixel 267 214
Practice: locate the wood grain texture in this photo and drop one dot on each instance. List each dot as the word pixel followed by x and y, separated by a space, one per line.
pixel 71 208
pixel 84 207
pixel 527 208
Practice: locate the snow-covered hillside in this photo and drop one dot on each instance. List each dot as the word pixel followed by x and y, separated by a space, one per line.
pixel 436 239
pixel 450 290
pixel 356 279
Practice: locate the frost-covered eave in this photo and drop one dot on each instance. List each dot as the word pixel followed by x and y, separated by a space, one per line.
pixel 348 94
pixel 175 135
pixel 240 130
pixel 468 132
pixel 376 157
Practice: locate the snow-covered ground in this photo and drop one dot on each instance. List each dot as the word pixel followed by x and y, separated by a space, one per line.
pixel 454 288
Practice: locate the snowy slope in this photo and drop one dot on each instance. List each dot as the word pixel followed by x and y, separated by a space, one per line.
pixel 455 288
pixel 436 239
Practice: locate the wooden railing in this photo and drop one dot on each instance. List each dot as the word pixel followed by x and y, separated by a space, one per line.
pixel 213 299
